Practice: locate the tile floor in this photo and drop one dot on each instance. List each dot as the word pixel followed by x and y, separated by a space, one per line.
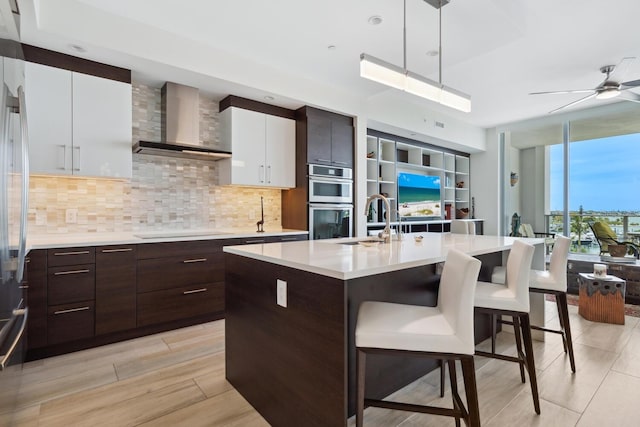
pixel 177 378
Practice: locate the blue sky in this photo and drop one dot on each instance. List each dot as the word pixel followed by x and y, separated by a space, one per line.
pixel 604 174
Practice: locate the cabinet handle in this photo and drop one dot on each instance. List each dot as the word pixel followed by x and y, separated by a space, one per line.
pixel 76 163
pixel 109 251
pixel 261 173
pixel 340 163
pixel 64 157
pixel 189 261
pixel 23 287
pixel 323 160
pixel 71 253
pixel 255 241
pixel 269 174
pixel 61 273
pixel 71 310
pixel 288 239
pixel 195 291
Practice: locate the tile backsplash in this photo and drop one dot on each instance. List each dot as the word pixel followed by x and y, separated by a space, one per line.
pixel 164 192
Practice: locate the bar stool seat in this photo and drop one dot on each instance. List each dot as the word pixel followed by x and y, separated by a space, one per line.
pixel 444 332
pixel 498 297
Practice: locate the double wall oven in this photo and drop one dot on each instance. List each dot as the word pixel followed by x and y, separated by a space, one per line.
pixel 330 202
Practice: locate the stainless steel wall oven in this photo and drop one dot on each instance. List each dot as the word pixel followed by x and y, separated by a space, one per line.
pixel 330 202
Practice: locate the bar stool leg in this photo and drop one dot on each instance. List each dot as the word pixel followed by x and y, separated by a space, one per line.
pixel 360 373
pixel 454 387
pixel 561 320
pixel 516 331
pixel 470 387
pixel 441 377
pixel 494 331
pixel 567 328
pixel 531 365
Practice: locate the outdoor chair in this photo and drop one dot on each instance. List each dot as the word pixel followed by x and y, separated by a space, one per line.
pixel 606 236
pixel 526 230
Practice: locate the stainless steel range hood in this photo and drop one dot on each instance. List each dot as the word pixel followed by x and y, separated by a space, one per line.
pixel 180 127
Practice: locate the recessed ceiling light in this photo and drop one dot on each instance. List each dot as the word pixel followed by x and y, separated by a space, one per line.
pixel 375 20
pixel 331 47
pixel 432 53
pixel 77 48
pixel 269 98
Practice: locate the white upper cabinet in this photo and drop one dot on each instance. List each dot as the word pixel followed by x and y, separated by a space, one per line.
pixel 262 149
pixel 78 124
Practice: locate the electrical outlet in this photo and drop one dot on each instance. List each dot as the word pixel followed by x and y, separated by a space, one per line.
pixel 71 216
pixel 281 293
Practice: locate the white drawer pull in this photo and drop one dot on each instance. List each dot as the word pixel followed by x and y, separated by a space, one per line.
pixel 108 251
pixel 71 310
pixel 189 261
pixel 60 273
pixel 71 253
pixel 195 291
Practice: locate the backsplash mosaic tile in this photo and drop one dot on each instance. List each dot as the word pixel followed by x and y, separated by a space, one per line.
pixel 164 192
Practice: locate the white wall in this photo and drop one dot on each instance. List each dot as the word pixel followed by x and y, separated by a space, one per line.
pixel 513 193
pixel 485 178
pixel 535 184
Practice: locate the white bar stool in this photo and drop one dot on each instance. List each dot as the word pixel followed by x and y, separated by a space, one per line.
pixel 441 332
pixel 512 300
pixel 553 282
pixel 462 227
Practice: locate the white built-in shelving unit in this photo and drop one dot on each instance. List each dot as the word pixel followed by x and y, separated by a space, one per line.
pixel 387 156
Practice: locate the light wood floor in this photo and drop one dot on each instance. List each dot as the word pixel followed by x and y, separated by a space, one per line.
pixel 177 378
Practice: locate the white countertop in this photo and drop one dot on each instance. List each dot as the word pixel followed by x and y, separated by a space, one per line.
pixel 333 259
pixel 46 241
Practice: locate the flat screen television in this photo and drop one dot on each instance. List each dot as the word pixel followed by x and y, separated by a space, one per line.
pixel 419 196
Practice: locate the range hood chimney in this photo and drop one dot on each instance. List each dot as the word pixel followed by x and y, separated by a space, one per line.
pixel 180 127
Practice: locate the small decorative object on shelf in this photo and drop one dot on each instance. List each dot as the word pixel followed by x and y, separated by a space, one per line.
pixel 460 184
pixel 371 155
pixel 473 208
pixel 462 213
pixel 514 178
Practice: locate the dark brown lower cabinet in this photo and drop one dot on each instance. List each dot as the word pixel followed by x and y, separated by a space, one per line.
pixel 69 322
pixel 179 303
pixel 115 288
pixel 36 293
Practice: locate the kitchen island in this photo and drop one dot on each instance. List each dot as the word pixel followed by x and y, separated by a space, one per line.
pixel 291 311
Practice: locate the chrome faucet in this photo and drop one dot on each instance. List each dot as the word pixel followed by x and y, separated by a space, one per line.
pixel 386 233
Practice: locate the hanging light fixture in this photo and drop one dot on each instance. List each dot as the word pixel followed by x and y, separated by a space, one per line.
pixel 400 78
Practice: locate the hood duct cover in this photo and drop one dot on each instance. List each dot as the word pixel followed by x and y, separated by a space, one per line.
pixel 180 127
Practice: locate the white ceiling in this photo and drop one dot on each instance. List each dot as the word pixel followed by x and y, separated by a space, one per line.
pixel 495 50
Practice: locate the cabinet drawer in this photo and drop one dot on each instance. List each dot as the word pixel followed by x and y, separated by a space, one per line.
pixel 71 256
pixel 70 322
pixel 71 283
pixel 177 249
pixel 183 303
pixel 164 273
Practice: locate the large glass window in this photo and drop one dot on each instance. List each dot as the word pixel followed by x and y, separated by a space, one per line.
pixel 604 183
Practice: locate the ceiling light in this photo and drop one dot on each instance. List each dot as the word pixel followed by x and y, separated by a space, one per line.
pixel 400 78
pixel 608 93
pixel 331 47
pixel 269 98
pixel 375 20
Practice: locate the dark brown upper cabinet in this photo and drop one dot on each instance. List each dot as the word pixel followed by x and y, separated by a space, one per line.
pixel 326 138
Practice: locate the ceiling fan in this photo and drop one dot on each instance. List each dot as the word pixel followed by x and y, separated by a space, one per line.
pixel 611 87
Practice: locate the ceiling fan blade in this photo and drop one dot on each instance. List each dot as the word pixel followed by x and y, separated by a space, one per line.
pixel 621 69
pixel 562 91
pixel 630 84
pixel 630 96
pixel 574 103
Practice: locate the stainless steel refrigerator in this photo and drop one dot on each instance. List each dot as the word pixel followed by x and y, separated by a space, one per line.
pixel 14 190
